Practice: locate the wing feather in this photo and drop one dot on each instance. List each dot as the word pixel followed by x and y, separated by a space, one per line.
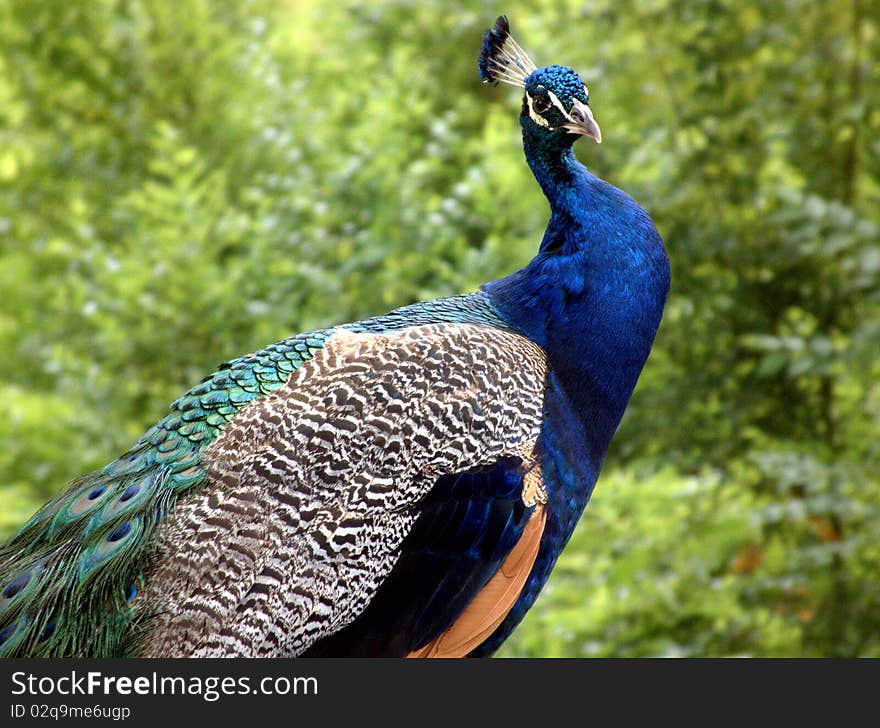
pixel 314 487
pixel 491 605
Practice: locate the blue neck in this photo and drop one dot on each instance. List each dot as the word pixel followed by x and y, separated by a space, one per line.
pixel 593 296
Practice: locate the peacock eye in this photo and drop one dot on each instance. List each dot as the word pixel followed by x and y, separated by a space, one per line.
pixel 541 104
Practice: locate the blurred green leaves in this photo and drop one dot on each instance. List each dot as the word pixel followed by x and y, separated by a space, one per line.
pixel 184 182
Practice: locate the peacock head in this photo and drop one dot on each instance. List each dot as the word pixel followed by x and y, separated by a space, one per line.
pixel 555 100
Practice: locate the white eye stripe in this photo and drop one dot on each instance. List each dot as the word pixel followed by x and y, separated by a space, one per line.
pixel 536 117
pixel 557 103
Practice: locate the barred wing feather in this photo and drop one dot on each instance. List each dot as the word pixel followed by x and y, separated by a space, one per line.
pixel 314 488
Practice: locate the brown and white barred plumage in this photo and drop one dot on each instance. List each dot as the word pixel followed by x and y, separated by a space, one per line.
pixel 312 488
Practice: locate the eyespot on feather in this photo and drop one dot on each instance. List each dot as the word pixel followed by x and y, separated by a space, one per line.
pixel 17 588
pixel 11 634
pixel 129 499
pixel 109 543
pixel 47 632
pixel 131 496
pixel 87 500
pixel 119 533
pixel 16 585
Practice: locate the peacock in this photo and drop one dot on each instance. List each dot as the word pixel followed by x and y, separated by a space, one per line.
pixel 398 486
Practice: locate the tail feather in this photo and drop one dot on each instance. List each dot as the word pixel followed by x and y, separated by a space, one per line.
pixel 69 574
pixel 70 577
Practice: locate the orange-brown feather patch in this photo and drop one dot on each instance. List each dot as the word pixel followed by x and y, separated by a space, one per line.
pixel 489 608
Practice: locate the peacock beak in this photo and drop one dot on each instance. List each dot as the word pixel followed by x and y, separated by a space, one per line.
pixel 581 121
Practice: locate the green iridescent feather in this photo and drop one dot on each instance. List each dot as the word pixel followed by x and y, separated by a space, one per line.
pixel 71 575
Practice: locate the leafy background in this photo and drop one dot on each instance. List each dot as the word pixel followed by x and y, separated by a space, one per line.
pixel 183 182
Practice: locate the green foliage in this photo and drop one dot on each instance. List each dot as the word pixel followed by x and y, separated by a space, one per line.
pixel 183 182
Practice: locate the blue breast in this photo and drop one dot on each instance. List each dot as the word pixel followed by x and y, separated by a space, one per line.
pixel 592 299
